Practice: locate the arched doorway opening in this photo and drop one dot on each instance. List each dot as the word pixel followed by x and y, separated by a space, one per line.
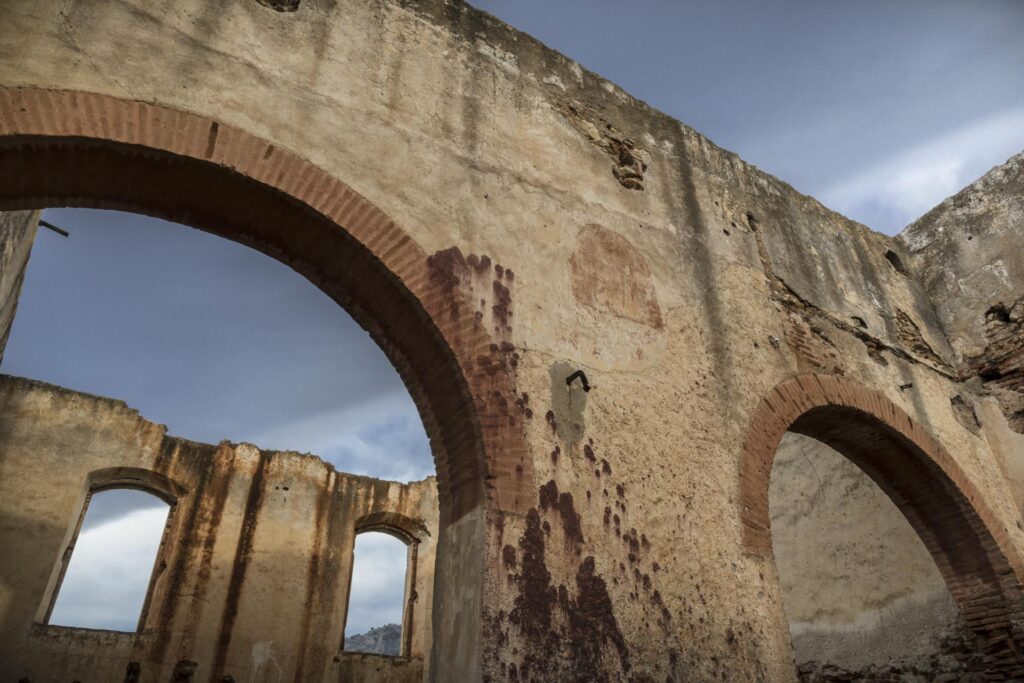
pixel 82 150
pixel 918 477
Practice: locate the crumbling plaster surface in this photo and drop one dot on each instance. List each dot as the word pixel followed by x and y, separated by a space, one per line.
pixel 256 559
pixel 967 253
pixel 629 563
pixel 17 233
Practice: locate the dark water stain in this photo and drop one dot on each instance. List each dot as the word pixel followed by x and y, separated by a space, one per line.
pixel 243 556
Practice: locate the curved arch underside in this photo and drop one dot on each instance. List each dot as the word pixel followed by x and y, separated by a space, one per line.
pixel 87 150
pixel 964 539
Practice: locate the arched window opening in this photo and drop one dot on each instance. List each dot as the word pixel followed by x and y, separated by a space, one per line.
pixel 110 562
pixel 378 618
pixel 860 590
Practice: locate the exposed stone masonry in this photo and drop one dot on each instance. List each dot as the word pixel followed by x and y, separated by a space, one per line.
pixel 1001 365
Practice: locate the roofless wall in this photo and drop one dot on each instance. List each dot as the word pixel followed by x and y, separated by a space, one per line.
pixel 534 220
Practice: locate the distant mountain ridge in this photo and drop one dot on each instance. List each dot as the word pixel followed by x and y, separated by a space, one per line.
pixel 382 640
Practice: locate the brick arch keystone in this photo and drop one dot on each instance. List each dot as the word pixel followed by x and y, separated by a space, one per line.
pixel 970 547
pixel 71 148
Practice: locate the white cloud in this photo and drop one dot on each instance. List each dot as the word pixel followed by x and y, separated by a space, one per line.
pixel 382 437
pixel 893 192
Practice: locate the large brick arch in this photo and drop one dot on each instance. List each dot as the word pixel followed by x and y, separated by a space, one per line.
pixel 969 546
pixel 60 148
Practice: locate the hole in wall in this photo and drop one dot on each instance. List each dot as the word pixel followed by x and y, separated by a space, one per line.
pixel 281 5
pixel 997 313
pixel 896 262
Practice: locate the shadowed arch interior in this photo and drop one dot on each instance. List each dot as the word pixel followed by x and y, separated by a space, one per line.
pixel 922 480
pixel 938 512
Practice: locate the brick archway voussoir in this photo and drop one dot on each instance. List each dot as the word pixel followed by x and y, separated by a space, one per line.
pixel 970 547
pixel 475 450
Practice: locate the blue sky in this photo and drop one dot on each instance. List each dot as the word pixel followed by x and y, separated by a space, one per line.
pixel 879 109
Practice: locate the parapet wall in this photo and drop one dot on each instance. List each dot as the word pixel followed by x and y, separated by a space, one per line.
pixel 252 582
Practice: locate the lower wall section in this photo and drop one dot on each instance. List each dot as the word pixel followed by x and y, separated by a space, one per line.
pixel 919 639
pixel 363 668
pixel 252 580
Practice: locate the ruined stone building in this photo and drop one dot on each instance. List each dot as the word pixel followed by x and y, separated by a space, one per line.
pixel 498 218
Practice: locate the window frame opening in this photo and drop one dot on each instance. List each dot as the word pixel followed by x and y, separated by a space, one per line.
pixel 409 596
pixel 99 482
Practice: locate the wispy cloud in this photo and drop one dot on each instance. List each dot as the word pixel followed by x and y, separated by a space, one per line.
pixel 381 438
pixel 893 192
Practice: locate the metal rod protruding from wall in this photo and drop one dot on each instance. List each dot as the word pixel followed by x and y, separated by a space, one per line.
pixel 60 231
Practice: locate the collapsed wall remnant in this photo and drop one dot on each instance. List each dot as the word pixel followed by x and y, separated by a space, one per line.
pixel 498 243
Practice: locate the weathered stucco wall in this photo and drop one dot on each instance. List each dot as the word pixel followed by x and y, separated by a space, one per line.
pixel 17 233
pixel 252 580
pixel 967 253
pixel 861 591
pixel 685 282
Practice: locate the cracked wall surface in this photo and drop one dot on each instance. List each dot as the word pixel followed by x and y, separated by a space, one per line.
pixel 967 251
pixel 548 222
